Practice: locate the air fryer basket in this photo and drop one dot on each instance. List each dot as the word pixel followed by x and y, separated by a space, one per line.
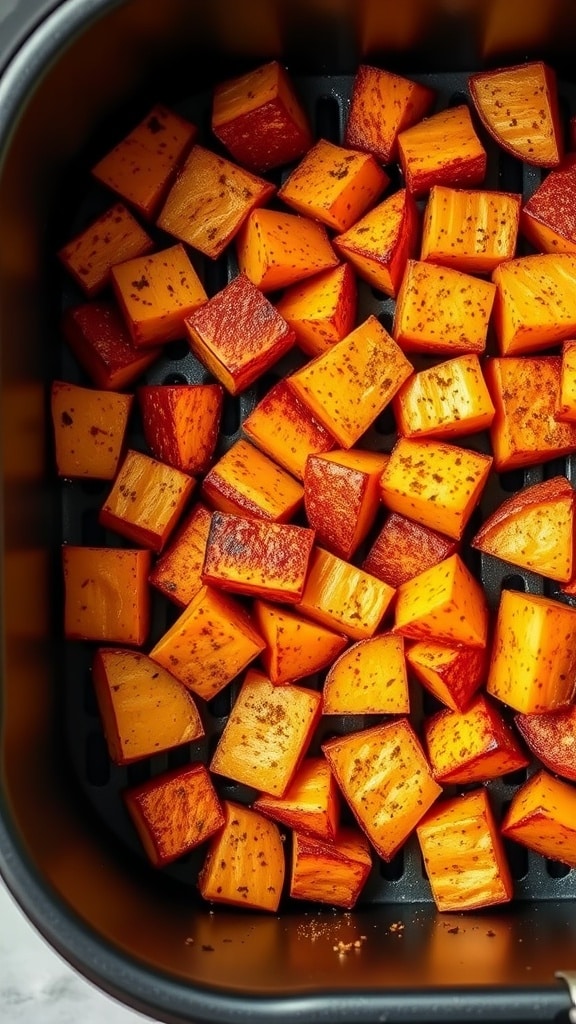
pixel 67 849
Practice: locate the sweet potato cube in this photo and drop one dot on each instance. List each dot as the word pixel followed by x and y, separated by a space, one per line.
pixel 442 311
pixel 238 334
pixel 443 149
pixel 257 558
pixel 210 200
pixel 277 249
pixel 448 400
pixel 267 734
pixel 471 230
pixel 156 293
pixel 533 663
pixel 473 745
pixel 535 303
pixel 333 872
pixel 106 594
pixel 146 500
pixel 565 409
pixel 244 865
pixel 451 673
pixel 334 185
pixel 247 482
pixel 379 245
pixel 548 220
pixel 181 423
pixel 542 816
pixel 524 430
pixel 285 429
pixel 209 644
pixel 344 598
pixel 174 812
pixel 323 310
pixel 368 679
pixel 89 428
pixel 404 549
pixel 142 165
pixel 295 647
pixel 310 805
pixel 178 572
pixel 259 118
pixel 386 780
pixel 444 603
pixel 534 529
pixel 382 105
pixel 101 342
pixel 464 854
pixel 436 484
pixel 144 709
pixel 112 238
pixel 373 367
pixel 342 497
pixel 518 106
pixel 552 739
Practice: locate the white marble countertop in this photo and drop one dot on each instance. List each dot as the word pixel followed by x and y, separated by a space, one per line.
pixel 38 987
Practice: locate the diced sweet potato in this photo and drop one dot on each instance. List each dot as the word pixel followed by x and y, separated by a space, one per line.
pixel 443 149
pixel 386 780
pixel 442 311
pixel 403 549
pixel 210 201
pixel 244 865
pixel 534 529
pixel 535 303
pixel 246 482
pixel 114 237
pixel 379 245
pixel 310 805
pixel 334 185
pixel 144 709
pixel 552 738
pixel 342 497
pixel 373 367
pixel 445 603
pixel 178 572
pixel 382 105
pixel 259 118
pixel 548 219
pixel 285 429
pixel 470 230
pixel 343 597
pixel 565 409
pixel 518 106
pixel 542 816
pixel 238 334
pixel 174 812
pixel 101 342
pixel 451 673
pixel 436 484
pixel 266 734
pixel 321 311
pixel 464 854
pixel 449 400
pixel 473 745
pixel 277 249
pixel 181 423
pixel 539 676
pixel 146 500
pixel 209 644
pixel 295 648
pixel 89 428
pixel 368 679
pixel 333 872
pixel 106 594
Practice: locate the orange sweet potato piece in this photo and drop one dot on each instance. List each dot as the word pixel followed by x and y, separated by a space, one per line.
pixel 368 679
pixel 333 872
pixel 542 816
pixel 285 429
pixel 343 597
pixel 535 303
pixel 548 220
pixel 552 738
pixel 334 185
pixel 471 230
pixel 310 805
pixel 539 676
pixel 565 409
pixel 379 245
pixel 246 482
pixel 444 603
pixel 518 106
pixel 174 812
pixel 342 497
pixel 114 237
pixel 244 864
pixel 323 310
pixel 210 201
pixel 464 854
pixel 448 400
pixel 403 549
pixel 443 149
pixel 451 673
pixel 472 745
pixel 178 572
pixel 101 342
pixel 89 428
pixel 295 648
pixel 181 423
pixel 386 780
pixel 277 249
pixel 259 118
pixel 266 734
pixel 144 709
pixel 106 594
pixel 382 105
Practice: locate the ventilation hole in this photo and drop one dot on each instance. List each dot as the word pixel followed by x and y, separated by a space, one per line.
pixel 328 119
pixel 517 857
pixel 90 702
pixel 93 534
pixel 514 582
pixel 264 383
pixel 176 350
pixel 394 869
pixel 513 480
pixel 96 487
pixel 386 318
pixel 138 773
pixel 515 778
pixel 385 422
pixel 230 415
pixel 556 467
pixel 556 870
pixel 178 757
pixel 379 295
pixel 174 379
pixel 97 760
